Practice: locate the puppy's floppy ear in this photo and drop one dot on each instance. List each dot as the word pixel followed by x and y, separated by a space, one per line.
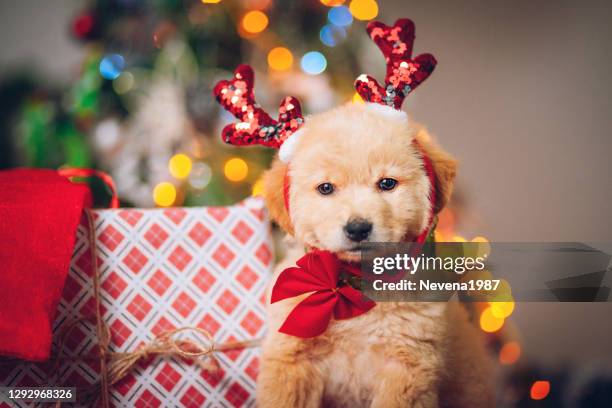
pixel 445 168
pixel 273 191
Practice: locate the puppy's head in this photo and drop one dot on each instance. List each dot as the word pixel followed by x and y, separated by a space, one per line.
pixel 355 175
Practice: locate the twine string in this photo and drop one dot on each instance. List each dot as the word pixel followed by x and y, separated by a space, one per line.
pixel 114 366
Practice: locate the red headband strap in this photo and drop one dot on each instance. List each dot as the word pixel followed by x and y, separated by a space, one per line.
pixel 286 188
pixel 431 175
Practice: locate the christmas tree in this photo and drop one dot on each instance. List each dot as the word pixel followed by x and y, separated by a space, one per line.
pixel 142 108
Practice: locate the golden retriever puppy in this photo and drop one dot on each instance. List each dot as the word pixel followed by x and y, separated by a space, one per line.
pixel 398 354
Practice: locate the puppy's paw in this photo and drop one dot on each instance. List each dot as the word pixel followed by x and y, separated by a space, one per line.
pixel 403 385
pixel 284 384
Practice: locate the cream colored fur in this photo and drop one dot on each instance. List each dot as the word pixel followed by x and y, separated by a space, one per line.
pixel 397 354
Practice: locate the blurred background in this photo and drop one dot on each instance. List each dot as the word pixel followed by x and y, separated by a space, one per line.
pixel 521 96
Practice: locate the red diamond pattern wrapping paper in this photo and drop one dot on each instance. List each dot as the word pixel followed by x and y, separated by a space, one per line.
pixel 162 269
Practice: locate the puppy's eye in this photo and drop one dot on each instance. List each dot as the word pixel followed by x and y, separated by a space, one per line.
pixel 325 188
pixel 387 184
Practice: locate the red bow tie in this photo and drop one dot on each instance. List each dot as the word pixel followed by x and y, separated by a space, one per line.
pixel 319 272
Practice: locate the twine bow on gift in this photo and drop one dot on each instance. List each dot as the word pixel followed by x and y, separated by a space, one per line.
pixel 119 364
pixel 166 345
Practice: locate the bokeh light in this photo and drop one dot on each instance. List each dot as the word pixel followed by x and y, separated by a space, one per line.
pixel 235 169
pixel 83 25
pixel 357 98
pixel 483 247
pixel 280 59
pixel 313 63
pixel 489 323
pixel 107 134
pixel 503 292
pixel 458 238
pixel 254 22
pixel 332 3
pixel 211 1
pixel 200 175
pixel 539 390
pixel 180 166
pixel 480 274
pixel 258 188
pixel 340 16
pixel 331 35
pixel 111 66
pixel 509 353
pixel 501 310
pixel 364 9
pixel 123 83
pixel 164 194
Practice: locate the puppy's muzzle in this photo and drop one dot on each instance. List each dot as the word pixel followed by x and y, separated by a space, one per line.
pixel 358 229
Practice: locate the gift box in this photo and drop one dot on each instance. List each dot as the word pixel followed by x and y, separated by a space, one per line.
pixel 159 270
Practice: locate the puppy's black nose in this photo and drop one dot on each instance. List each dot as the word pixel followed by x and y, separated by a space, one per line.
pixel 358 229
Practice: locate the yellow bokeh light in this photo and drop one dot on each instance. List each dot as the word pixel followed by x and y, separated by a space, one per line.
pixel 483 274
pixel 357 98
pixel 364 9
pixel 489 323
pixel 211 1
pixel 482 246
pixel 503 291
pixel 164 194
pixel 236 169
pixel 332 3
pixel 123 83
pixel 180 166
pixel 280 59
pixel 510 353
pixel 254 22
pixel 501 310
pixel 459 238
pixel 258 188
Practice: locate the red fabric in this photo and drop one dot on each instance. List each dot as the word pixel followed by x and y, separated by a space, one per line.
pixel 39 214
pixel 318 272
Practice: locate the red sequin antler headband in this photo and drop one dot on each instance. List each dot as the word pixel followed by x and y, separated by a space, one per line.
pixel 255 126
pixel 404 73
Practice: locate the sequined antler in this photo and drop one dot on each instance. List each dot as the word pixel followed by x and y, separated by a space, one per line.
pixel 404 73
pixel 255 126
